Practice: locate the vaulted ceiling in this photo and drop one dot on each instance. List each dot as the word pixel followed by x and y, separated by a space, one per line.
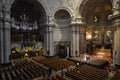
pixel 33 9
pixel 91 8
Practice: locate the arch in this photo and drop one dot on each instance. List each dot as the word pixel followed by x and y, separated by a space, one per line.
pixel 62 14
pixel 89 4
pixel 63 8
pixel 27 7
pixel 91 8
pixel 61 49
pixel 15 45
pixel 47 10
pixel 31 13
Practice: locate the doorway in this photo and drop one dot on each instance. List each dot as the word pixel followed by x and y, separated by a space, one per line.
pixel 63 49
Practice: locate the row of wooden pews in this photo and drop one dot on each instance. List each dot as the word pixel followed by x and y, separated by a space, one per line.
pixel 39 59
pixel 60 77
pixel 86 73
pixel 58 64
pixel 116 76
pixel 54 62
pixel 22 70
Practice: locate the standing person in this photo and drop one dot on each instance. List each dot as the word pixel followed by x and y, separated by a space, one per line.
pixel 90 47
pixel 114 57
pixel 110 74
pixel 111 52
pixel 83 47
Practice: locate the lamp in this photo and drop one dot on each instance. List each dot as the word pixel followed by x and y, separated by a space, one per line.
pixel 88 35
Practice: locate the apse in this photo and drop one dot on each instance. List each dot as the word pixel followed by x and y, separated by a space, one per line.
pixel 27 19
pixel 96 12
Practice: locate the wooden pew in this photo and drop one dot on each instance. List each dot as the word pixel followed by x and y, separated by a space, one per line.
pixel 9 76
pixel 60 77
pixel 3 76
pixel 25 74
pixel 73 76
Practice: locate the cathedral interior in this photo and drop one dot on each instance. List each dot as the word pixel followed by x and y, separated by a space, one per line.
pixel 59 39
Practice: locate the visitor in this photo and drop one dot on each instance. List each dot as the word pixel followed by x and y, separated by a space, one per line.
pixel 111 51
pixel 62 73
pixel 114 57
pixel 87 58
pixel 110 74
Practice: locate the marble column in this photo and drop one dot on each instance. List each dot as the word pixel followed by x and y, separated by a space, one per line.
pixel 73 40
pixel 7 42
pixel 116 22
pixel 50 41
pixel 77 40
pixel 1 43
pixel 5 32
pixel 75 36
pixel 117 44
pixel 116 7
pixel 82 39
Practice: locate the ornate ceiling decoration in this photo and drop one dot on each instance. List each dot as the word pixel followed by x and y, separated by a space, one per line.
pixel 92 9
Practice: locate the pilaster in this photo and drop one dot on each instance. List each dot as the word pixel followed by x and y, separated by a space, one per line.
pixel 5 41
pixel 117 42
pixel 75 39
pixel 82 38
pixel 1 43
pixel 50 41
pixel 116 22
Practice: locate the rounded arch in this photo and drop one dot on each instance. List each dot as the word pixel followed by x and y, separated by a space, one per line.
pixel 47 10
pixel 33 8
pixel 62 14
pixel 85 4
pixel 15 45
pixel 89 9
pixel 63 8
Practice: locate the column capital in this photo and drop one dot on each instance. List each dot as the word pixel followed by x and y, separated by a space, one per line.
pixel 50 21
pixel 115 17
pixel 116 21
pixel 50 24
pixel 77 24
pixel 116 7
pixel 77 21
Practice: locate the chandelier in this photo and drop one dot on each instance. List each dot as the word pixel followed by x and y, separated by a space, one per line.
pixel 24 22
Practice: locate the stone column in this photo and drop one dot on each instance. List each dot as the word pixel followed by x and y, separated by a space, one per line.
pixel 75 39
pixel 50 41
pixel 116 7
pixel 116 23
pixel 117 43
pixel 7 42
pixel 5 38
pixel 68 47
pixel 1 44
pixel 82 39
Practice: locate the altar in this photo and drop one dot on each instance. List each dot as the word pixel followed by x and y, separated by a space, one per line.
pixel 103 52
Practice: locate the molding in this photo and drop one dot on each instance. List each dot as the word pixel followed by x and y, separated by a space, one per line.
pixel 115 17
pixel 64 8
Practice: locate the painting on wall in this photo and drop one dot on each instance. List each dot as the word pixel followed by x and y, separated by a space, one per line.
pixel 96 37
pixel 109 36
